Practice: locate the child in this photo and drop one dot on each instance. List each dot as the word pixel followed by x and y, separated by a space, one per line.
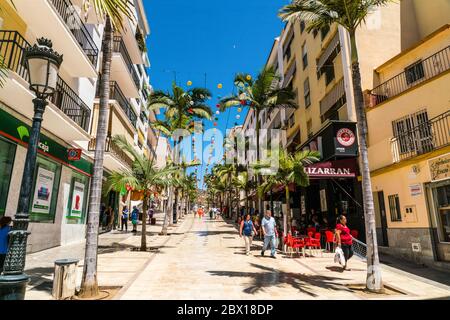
pixel 134 218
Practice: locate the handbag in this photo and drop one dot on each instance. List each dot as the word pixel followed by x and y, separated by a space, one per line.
pixel 339 256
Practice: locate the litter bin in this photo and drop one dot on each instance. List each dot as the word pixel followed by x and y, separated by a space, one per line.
pixel 64 281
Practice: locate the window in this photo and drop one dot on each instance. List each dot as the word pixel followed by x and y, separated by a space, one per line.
pixel 291 120
pixel 394 208
pixel 287 48
pixel 414 72
pixel 302 26
pixel 324 31
pixel 7 153
pixel 306 93
pixel 45 191
pixel 304 56
pixel 413 133
pixel 77 204
pixel 309 128
pixel 329 73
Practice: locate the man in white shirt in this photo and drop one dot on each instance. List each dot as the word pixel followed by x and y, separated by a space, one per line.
pixel 270 233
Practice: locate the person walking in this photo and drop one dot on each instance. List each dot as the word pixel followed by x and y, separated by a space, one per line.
pixel 125 213
pixel 134 218
pixel 200 212
pixel 151 212
pixel 270 233
pixel 344 238
pixel 5 228
pixel 247 230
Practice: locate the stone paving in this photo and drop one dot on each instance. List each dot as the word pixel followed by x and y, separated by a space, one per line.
pixel 208 262
pixel 204 259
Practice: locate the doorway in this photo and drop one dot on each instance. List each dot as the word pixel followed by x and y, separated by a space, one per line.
pixel 382 215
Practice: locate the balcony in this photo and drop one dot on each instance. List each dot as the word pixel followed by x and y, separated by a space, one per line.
pixel 414 75
pixel 116 94
pixel 59 21
pixel 426 137
pixel 333 100
pixel 12 46
pixel 122 69
pixel 115 157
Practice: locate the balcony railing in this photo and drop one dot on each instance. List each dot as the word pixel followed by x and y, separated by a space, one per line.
pixel 116 94
pixel 113 148
pixel 72 19
pixel 422 71
pixel 423 138
pixel 12 46
pixel 119 46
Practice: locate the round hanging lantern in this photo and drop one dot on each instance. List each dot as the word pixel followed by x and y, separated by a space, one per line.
pixel 193 139
pixel 190 110
pixel 215 124
pixel 248 77
pixel 219 86
pixel 189 83
pixel 238 117
pixel 218 106
pixel 235 123
pixel 217 112
pixel 239 109
pixel 216 118
pixel 192 103
pixel 243 102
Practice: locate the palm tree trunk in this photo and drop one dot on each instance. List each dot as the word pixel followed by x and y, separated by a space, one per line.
pixel 287 215
pixel 246 202
pixel 258 177
pixel 89 284
pixel 373 280
pixel 167 213
pixel 144 222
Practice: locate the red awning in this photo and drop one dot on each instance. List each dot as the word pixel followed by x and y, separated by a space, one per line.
pixel 332 169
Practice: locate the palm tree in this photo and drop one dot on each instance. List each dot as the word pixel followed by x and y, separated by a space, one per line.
pixel 260 94
pixel 225 173
pixel 112 12
pixel 181 106
pixel 242 182
pixel 142 176
pixel 349 14
pixel 290 170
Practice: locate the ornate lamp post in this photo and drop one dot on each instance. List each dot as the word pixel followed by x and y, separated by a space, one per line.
pixel 43 64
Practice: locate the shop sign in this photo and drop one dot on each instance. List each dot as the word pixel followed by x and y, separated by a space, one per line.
pixel 345 137
pixel 77 200
pixel 18 131
pixel 415 190
pixel 74 154
pixel 43 191
pixel 332 169
pixel 440 168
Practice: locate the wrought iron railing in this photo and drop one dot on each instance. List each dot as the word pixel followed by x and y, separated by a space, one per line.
pixel 113 148
pixel 359 248
pixel 12 46
pixel 423 138
pixel 422 71
pixel 71 17
pixel 119 46
pixel 116 94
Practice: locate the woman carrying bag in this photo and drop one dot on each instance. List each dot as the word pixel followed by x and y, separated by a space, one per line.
pixel 343 240
pixel 247 230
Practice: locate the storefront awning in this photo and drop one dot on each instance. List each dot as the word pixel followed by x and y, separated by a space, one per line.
pixel 332 169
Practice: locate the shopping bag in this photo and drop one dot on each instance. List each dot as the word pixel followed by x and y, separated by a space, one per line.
pixel 339 256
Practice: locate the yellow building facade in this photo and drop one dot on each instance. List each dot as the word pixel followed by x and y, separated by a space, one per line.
pixel 408 117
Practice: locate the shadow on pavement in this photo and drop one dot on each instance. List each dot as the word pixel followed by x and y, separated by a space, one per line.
pixel 273 278
pixel 40 273
pixel 213 233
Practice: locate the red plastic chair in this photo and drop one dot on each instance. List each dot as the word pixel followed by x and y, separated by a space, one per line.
pixel 354 233
pixel 295 244
pixel 310 234
pixel 329 239
pixel 310 229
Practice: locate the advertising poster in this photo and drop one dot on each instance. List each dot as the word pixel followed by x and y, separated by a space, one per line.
pixel 77 200
pixel 43 191
pixel 323 200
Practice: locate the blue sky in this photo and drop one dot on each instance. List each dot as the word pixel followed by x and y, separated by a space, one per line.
pixel 216 38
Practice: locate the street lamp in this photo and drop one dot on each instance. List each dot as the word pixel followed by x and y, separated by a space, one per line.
pixel 43 64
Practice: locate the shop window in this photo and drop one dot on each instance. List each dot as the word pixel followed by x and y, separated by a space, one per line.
pixel 78 197
pixel 414 72
pixel 307 93
pixel 443 207
pixel 7 153
pixel 394 208
pixel 44 196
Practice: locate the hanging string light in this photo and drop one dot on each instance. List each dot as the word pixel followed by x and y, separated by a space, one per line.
pixel 189 83
pixel 238 117
pixel 248 77
pixel 239 109
pixel 217 112
pixel 219 86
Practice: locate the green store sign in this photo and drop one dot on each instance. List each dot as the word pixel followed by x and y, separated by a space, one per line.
pixel 16 130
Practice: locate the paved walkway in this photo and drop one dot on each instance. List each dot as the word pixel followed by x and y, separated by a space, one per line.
pixel 206 260
pixel 117 262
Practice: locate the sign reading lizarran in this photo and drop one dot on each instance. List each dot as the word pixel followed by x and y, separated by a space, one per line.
pixel 440 168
